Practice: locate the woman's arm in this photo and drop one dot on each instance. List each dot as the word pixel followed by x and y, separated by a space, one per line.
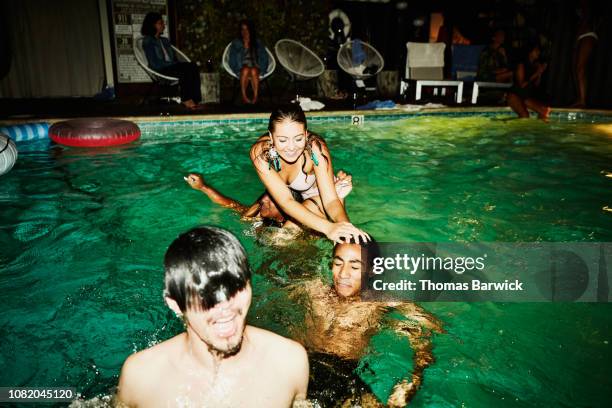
pixel 235 56
pixel 154 54
pixel 325 183
pixel 149 48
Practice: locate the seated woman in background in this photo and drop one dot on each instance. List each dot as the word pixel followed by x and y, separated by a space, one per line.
pixel 161 58
pixel 527 78
pixel 493 62
pixel 248 58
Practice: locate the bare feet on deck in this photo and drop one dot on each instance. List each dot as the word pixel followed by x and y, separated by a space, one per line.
pixel 545 114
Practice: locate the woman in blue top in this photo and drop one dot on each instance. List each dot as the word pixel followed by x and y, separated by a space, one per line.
pixel 161 58
pixel 248 58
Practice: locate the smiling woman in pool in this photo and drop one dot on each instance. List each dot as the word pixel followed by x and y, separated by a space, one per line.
pixel 295 167
pixel 289 158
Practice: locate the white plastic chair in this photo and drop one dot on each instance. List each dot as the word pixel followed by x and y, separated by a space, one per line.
pixel 425 64
pixel 360 60
pixel 154 75
pixel 262 75
pixel 157 77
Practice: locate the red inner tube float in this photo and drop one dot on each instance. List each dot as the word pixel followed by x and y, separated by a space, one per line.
pixel 96 132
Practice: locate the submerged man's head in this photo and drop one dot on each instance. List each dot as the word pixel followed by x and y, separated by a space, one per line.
pixel 207 281
pixel 350 261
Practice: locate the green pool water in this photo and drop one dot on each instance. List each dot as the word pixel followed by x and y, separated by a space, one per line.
pixel 83 233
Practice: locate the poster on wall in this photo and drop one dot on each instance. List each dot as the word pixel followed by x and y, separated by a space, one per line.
pixel 127 20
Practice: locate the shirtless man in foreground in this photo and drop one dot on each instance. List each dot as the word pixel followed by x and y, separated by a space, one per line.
pixel 219 361
pixel 339 323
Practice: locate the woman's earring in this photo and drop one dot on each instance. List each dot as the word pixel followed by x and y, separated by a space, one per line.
pixel 274 159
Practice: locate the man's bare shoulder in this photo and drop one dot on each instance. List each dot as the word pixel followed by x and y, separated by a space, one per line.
pixel 156 355
pixel 286 358
pixel 144 368
pixel 271 343
pixel 269 340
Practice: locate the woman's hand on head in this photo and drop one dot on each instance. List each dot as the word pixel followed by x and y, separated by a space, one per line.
pixel 343 232
pixel 195 180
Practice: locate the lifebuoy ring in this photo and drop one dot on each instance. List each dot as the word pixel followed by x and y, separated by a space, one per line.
pixel 94 132
pixel 346 23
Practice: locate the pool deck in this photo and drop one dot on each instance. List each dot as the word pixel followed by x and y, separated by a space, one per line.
pixel 52 110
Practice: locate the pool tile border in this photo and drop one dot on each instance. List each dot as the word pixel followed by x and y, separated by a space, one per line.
pixel 338 116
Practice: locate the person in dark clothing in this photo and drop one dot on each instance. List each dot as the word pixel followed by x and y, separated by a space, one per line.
pixel 493 62
pixel 161 58
pixel 527 79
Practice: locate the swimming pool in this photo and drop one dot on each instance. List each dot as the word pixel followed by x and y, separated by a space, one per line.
pixel 84 231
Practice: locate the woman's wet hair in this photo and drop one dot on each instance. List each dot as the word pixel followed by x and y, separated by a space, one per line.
pixel 148 24
pixel 205 266
pixel 369 250
pixel 252 36
pixel 292 112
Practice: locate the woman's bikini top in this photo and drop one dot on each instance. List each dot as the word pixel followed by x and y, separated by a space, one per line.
pixel 305 184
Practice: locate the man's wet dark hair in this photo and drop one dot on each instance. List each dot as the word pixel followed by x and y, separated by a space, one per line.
pixel 148 24
pixel 369 251
pixel 205 266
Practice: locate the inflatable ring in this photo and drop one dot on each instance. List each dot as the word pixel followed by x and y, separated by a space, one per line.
pixel 94 132
pixel 337 13
pixel 26 131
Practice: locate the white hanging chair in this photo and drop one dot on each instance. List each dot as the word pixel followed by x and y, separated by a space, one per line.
pixel 359 59
pixel 262 75
pixel 155 76
pixel 300 62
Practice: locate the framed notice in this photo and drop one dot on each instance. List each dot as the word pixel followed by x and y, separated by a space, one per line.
pixel 127 17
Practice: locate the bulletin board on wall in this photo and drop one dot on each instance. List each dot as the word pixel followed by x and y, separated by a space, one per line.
pixel 127 17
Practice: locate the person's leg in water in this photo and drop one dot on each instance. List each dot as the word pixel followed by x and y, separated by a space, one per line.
pixel 344 185
pixel 542 109
pixel 516 104
pixel 582 55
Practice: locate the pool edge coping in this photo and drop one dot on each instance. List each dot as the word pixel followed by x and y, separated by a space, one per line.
pixel 315 114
